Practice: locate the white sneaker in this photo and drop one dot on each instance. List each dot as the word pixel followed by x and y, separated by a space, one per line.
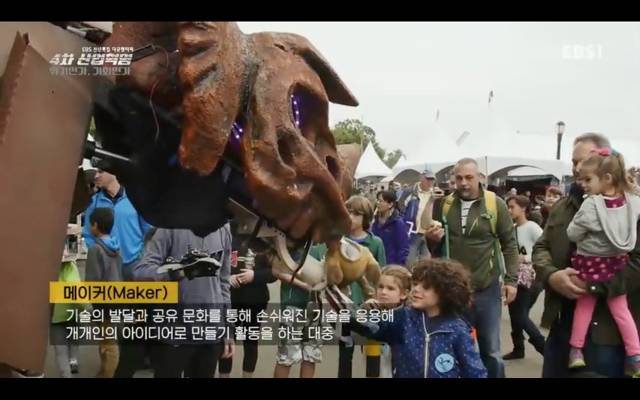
pixel 73 363
pixel 347 340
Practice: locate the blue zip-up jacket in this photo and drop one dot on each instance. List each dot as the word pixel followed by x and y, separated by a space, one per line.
pixel 443 344
pixel 395 238
pixel 129 228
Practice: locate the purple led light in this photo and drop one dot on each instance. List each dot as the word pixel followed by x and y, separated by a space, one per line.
pixel 295 107
pixel 236 137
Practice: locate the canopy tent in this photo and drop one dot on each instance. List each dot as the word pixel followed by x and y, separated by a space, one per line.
pixel 434 167
pixel 496 165
pixel 437 146
pixel 491 165
pixel 387 179
pixel 371 165
pixel 528 174
pixel 525 171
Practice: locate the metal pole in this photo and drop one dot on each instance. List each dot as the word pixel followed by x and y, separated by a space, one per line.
pixel 560 125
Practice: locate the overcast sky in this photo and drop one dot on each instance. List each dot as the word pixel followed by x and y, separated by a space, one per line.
pixel 585 74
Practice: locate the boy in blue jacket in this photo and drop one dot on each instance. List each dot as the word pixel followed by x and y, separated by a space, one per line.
pixel 428 339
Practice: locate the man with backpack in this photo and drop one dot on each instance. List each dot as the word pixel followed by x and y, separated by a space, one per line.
pixel 475 228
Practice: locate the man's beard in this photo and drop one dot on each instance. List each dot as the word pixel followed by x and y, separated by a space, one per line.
pixel 467 195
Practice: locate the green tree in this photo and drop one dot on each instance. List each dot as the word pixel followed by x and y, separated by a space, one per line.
pixel 354 131
pixel 393 157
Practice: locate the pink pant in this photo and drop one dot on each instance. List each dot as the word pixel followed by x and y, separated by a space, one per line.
pixel 621 314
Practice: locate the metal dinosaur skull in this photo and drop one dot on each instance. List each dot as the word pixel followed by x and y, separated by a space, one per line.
pixel 263 97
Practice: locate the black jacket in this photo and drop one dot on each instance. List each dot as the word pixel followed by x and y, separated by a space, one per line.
pixel 256 292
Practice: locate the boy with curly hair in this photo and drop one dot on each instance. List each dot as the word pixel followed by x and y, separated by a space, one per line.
pixel 428 338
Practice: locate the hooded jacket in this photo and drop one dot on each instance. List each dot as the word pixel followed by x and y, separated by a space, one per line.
pixel 103 261
pixel 208 292
pixel 129 228
pixel 395 238
pixel 176 243
pixel 424 347
pixel 601 231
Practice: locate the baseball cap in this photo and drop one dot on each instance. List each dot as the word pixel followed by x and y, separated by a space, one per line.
pixel 428 174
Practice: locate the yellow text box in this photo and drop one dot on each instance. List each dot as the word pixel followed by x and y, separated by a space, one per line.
pixel 113 292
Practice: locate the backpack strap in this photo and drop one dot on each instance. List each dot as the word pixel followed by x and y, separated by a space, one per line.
pixel 446 206
pixel 491 203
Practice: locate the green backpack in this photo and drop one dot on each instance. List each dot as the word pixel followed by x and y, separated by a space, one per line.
pixel 68 273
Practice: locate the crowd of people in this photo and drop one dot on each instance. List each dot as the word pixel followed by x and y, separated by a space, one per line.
pixel 450 258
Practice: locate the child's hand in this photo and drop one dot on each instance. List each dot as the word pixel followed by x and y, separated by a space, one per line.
pixel 285 277
pixel 509 294
pixel 246 276
pixel 233 280
pixel 229 349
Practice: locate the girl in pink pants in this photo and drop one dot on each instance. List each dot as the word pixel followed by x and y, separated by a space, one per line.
pixel 604 230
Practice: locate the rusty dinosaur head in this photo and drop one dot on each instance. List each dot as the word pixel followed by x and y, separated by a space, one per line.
pixel 264 97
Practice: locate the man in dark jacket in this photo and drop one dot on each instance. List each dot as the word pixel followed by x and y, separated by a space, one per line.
pixel 198 359
pixel 250 294
pixel 604 352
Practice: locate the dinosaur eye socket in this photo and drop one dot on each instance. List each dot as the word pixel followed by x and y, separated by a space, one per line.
pixel 295 109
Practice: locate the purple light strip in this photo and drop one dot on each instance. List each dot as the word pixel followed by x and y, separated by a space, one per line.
pixel 235 137
pixel 295 107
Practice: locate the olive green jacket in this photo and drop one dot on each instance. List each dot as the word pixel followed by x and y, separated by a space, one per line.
pixel 475 248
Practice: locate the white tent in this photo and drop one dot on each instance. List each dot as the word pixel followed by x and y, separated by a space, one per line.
pixel 371 165
pixel 387 179
pixel 489 165
pixel 434 167
pixel 437 146
pixel 526 171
